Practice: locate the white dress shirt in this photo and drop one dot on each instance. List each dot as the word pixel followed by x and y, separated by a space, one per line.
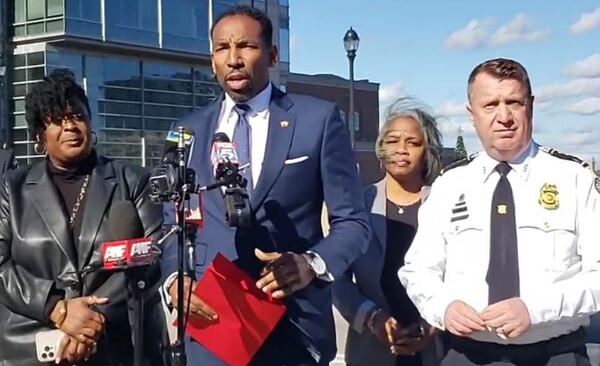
pixel 258 118
pixel 558 231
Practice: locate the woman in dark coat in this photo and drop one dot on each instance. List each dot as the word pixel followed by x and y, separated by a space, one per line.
pixel 53 219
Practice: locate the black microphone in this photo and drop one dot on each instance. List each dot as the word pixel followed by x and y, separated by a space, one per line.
pixel 221 137
pixel 124 222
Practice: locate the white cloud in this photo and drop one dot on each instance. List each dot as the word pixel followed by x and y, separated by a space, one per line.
pixel 451 108
pixel 518 29
pixel 588 106
pixel 586 68
pixel 586 22
pixel 474 35
pixel 581 141
pixel 571 88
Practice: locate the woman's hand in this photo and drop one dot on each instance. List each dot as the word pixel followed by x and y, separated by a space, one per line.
pixel 382 327
pixel 70 350
pixel 409 344
pixel 81 322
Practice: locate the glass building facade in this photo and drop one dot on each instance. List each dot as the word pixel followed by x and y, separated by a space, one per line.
pixel 144 65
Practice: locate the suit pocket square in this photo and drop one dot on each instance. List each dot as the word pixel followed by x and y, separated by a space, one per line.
pixel 295 160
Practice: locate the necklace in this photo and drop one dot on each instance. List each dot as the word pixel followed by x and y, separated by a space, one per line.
pixel 78 202
pixel 401 207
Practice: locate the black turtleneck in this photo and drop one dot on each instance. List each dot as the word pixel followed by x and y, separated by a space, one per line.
pixel 68 184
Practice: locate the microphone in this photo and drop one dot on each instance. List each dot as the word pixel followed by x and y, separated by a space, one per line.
pixel 226 165
pixel 223 151
pixel 225 161
pixel 130 248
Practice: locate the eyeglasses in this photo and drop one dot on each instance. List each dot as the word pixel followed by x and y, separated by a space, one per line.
pixel 67 117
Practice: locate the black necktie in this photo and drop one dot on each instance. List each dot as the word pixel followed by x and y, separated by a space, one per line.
pixel 503 271
pixel 241 139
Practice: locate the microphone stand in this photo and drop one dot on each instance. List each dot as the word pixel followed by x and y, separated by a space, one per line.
pixel 136 283
pixel 178 349
pixel 240 214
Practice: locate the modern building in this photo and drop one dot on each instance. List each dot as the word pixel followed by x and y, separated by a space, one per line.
pixel 144 64
pixel 366 113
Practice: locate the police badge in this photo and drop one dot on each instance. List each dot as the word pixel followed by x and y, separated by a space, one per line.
pixel 549 196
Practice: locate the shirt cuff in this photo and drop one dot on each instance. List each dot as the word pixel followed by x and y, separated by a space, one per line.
pixel 166 286
pixel 327 277
pixel 362 315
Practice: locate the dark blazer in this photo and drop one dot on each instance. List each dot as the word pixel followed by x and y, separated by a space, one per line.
pixel 308 160
pixel 36 254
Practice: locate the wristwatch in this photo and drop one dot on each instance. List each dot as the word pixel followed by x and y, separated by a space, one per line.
pixel 316 263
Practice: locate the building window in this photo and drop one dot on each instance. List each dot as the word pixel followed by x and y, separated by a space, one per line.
pixel 83 18
pixel 132 21
pixel 54 8
pixel 35 9
pixel 221 6
pixel 28 70
pixel 284 45
pixel 185 25
pixel 35 17
pixel 356 121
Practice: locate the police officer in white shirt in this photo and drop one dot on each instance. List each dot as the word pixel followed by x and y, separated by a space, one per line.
pixel 506 259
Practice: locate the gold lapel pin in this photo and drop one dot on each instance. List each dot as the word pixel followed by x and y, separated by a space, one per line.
pixel 284 124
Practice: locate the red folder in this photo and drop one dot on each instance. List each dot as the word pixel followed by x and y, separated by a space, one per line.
pixel 246 315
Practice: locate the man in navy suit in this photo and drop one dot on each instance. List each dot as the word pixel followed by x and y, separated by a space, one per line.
pixel 300 156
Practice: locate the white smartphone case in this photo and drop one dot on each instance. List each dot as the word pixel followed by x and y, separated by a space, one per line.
pixel 46 344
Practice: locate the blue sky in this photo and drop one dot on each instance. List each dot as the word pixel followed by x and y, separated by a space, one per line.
pixel 427 48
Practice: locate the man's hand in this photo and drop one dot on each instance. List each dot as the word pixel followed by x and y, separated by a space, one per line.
pixel 510 318
pixel 81 322
pixel 461 319
pixel 284 273
pixel 197 306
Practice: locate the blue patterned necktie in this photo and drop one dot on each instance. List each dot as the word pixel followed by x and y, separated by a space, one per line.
pixel 241 139
pixel 503 271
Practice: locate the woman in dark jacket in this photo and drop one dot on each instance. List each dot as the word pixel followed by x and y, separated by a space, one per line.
pixel 53 219
pixel 386 328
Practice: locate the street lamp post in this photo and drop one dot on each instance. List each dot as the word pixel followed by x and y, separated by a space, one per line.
pixel 351 41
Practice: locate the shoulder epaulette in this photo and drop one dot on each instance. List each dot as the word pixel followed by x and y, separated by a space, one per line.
pixel 457 163
pixel 558 154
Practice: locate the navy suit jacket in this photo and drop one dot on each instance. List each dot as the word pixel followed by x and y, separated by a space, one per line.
pixel 286 204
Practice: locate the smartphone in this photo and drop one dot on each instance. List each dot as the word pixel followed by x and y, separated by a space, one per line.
pixel 46 344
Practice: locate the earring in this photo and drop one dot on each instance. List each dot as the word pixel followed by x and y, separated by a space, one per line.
pixel 39 148
pixel 94 138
